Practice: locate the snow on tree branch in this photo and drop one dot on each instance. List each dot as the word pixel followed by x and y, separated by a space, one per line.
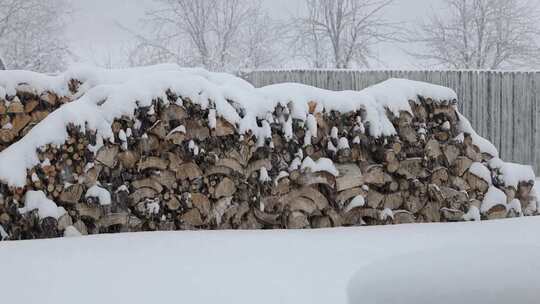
pixel 218 35
pixel 31 34
pixel 341 33
pixel 482 34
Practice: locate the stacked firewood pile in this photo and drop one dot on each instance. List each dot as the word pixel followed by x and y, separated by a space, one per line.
pixel 176 166
pixel 19 113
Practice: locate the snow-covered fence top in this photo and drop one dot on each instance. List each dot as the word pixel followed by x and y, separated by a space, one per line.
pixel 504 107
pixel 112 94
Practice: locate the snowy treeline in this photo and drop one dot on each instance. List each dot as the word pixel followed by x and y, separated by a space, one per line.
pixel 32 34
pixel 228 35
pixel 483 34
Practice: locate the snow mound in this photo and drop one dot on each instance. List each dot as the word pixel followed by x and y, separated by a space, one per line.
pixel 512 174
pixel 493 197
pixel 101 194
pixel 110 94
pixel 46 207
pixel 471 273
pixel 481 171
pixel 89 76
pixel 483 144
pixel 322 164
pixel 221 266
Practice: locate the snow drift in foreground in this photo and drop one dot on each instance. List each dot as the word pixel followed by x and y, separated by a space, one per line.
pixel 363 265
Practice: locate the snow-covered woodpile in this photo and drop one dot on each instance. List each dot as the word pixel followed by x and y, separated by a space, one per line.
pixel 167 148
pixel 20 112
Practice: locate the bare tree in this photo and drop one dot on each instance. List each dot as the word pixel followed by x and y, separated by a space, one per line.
pixel 31 34
pixel 216 34
pixel 341 33
pixel 483 34
pixel 2 65
pixel 309 41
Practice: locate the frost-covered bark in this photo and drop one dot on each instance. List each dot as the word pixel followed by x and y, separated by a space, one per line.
pixel 31 34
pixel 341 33
pixel 219 35
pixel 482 34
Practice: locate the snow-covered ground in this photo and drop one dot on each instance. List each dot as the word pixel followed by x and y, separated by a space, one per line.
pixel 450 263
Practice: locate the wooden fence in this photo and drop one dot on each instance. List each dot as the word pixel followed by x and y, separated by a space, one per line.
pixel 504 107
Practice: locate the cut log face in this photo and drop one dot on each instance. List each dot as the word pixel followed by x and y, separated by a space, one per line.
pixel 195 130
pixel 142 194
pixel 159 130
pixel 510 194
pixel 303 204
pixel 72 194
pixel 473 153
pixel 15 107
pixel 448 112
pixel 92 212
pixel 256 166
pixel 391 161
pixel 231 164
pixel 320 201
pixel 177 138
pixel 454 199
pixel 148 144
pixel 323 178
pixel 223 128
pixel 451 153
pixel 408 134
pixel 128 159
pixel 393 201
pixel 167 179
pixel 192 218
pixel 189 171
pixel 148 183
pixel 462 165
pixel 155 163
pixel 346 195
pixel 433 149
pixel 431 212
pixel 20 121
pixel 107 156
pixel 524 190
pixel 497 212
pixel 30 105
pixel 225 188
pixel 476 183
pixel 452 215
pixel 173 203
pixel 459 183
pixel 297 220
pixel 412 168
pixel 321 222
pixel 283 186
pixel 114 219
pixel 174 113
pixel 201 202
pixel 374 175
pixel 350 176
pixel 403 217
pixel 374 199
pixel 439 176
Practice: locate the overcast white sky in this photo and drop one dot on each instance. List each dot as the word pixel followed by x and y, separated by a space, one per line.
pixel 97 38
